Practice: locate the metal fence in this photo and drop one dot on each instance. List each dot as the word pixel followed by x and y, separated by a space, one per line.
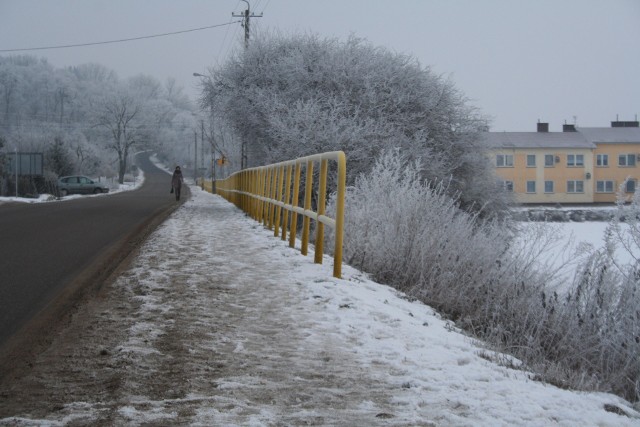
pixel 271 195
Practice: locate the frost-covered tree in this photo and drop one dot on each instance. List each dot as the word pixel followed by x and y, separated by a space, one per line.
pixel 117 113
pixel 293 96
pixel 58 159
pixel 39 103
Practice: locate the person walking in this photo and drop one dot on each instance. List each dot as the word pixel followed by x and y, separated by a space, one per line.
pixel 176 182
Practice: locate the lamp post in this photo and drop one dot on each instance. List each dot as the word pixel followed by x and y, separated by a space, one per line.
pixel 16 164
pixel 213 147
pixel 195 172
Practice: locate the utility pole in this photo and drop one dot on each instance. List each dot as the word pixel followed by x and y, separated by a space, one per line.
pixel 16 164
pixel 246 16
pixel 195 161
pixel 213 155
pixel 202 151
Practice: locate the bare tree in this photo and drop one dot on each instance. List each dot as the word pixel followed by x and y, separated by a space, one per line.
pixel 101 115
pixel 117 113
pixel 8 82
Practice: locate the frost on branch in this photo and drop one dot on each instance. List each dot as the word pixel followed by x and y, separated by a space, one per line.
pixel 288 97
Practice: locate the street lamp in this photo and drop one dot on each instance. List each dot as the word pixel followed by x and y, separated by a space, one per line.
pixel 16 165
pixel 213 147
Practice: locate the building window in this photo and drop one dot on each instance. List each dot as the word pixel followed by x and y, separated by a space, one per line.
pixel 531 186
pixel 508 186
pixel 602 160
pixel 631 186
pixel 504 160
pixel 548 186
pixel 575 186
pixel 575 160
pixel 627 160
pixel 604 186
pixel 548 161
pixel 531 160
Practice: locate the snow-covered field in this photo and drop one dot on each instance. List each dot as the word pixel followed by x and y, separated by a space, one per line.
pixel 570 243
pixel 219 323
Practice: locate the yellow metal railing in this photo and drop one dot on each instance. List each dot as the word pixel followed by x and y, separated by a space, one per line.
pixel 206 185
pixel 270 194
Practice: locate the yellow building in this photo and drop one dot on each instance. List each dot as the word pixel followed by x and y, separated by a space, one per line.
pixel 577 165
pixel 616 160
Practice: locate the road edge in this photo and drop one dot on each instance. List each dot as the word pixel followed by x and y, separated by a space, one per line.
pixel 23 347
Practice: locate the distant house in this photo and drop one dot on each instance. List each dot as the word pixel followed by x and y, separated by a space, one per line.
pixel 577 165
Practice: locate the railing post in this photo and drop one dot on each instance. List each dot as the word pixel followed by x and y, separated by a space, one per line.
pixel 272 196
pixel 307 206
pixel 293 228
pixel 287 197
pixel 276 228
pixel 254 191
pixel 322 196
pixel 261 184
pixel 339 231
pixel 265 220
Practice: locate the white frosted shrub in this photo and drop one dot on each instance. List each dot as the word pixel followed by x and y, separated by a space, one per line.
pixel 598 328
pixel 410 234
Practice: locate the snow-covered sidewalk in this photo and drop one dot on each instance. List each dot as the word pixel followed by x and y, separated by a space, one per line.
pixel 216 322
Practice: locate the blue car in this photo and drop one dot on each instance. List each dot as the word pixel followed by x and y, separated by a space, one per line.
pixel 79 184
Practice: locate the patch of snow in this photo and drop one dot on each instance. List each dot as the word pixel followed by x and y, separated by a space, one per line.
pixel 48 198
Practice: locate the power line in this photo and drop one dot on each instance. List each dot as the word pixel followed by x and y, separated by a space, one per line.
pixel 224 43
pixel 119 40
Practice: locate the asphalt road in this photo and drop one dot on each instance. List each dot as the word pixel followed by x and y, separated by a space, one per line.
pixel 50 253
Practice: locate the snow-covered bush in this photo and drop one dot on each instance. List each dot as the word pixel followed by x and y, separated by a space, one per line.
pixel 411 234
pixel 599 324
pixel 288 97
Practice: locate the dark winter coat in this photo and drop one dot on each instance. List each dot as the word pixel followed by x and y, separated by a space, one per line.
pixel 176 179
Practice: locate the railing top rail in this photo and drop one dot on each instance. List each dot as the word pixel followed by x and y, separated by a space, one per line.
pixel 331 155
pixel 261 191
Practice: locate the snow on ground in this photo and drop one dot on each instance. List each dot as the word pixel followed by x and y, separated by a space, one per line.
pixel 223 324
pixel 114 187
pixel 571 242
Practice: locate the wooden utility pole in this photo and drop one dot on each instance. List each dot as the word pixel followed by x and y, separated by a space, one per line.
pixel 246 17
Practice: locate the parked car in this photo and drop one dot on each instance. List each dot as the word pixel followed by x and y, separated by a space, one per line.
pixel 79 184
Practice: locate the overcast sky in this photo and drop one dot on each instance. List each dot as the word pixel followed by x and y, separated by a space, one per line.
pixel 519 61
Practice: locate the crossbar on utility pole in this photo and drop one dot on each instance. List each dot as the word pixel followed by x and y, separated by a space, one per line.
pixel 246 16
